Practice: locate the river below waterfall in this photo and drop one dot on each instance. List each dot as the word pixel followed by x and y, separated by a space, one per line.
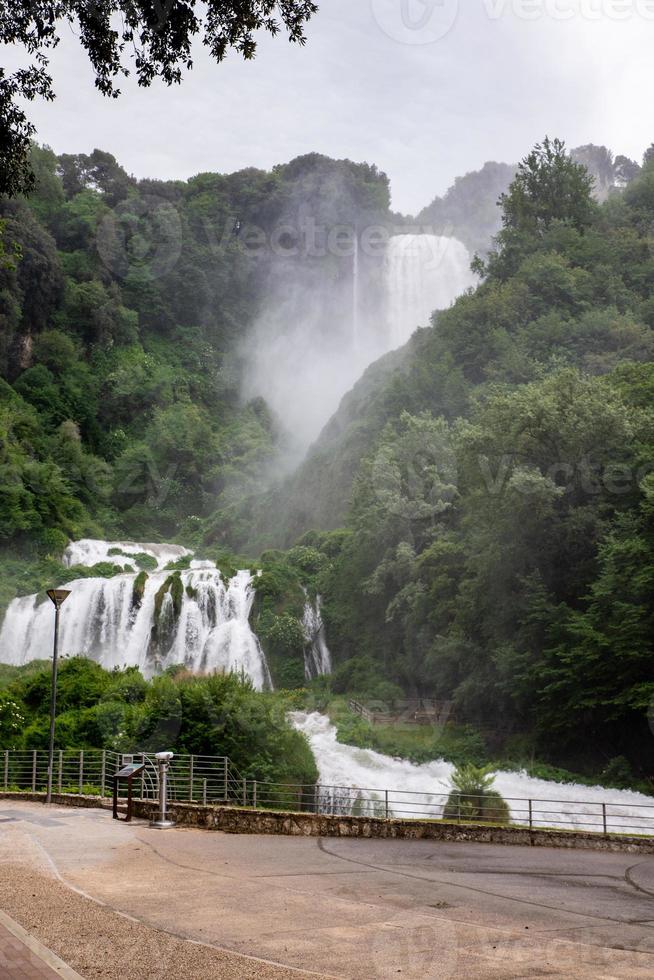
pixel 357 779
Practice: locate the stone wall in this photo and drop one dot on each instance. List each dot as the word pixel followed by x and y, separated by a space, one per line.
pixel 233 820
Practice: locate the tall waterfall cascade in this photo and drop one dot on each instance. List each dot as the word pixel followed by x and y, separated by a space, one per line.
pixel 147 619
pixel 318 332
pixel 317 657
pixel 422 273
pixel 421 790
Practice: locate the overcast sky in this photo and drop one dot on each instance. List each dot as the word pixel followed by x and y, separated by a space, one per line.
pixel 426 89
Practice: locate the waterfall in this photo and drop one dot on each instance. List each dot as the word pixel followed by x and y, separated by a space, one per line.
pixel 150 620
pixel 89 552
pixel 355 780
pixel 355 294
pixel 319 331
pixel 423 273
pixel 317 658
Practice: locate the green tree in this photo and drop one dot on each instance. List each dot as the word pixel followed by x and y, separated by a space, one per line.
pixel 549 186
pixel 160 38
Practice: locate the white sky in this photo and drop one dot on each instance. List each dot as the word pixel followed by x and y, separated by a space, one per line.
pixel 423 108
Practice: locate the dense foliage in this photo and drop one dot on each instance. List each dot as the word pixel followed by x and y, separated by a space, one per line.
pixel 119 710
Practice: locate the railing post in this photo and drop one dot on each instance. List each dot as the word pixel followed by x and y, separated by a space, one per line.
pixel 604 818
pixel 190 779
pixel 531 819
pixel 6 768
pixel 60 776
pixel 245 791
pixel 204 792
pixel 103 772
pixel 254 794
pixel 34 771
pixel 225 778
pixel 81 770
pixel 386 792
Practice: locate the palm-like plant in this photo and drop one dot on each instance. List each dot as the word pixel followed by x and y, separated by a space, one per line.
pixel 471 796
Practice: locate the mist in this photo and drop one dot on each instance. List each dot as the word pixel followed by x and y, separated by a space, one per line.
pixel 328 316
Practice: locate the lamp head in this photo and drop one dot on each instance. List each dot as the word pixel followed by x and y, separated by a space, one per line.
pixel 58 596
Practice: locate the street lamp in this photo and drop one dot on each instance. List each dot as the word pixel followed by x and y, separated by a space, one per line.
pixel 58 597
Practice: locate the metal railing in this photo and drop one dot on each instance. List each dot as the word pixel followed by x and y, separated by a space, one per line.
pixel 409 711
pixel 193 778
pixel 214 780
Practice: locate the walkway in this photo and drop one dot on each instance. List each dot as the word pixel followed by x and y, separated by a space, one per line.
pixel 23 958
pixel 360 909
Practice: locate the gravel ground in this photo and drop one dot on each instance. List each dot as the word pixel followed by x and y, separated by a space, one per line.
pixel 103 944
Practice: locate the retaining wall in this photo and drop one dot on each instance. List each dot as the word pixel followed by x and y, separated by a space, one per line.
pixel 233 820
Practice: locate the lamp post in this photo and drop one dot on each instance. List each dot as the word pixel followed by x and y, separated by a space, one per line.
pixel 58 597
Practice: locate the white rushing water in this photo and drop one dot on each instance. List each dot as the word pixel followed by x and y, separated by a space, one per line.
pixel 423 273
pixel 421 790
pixel 204 625
pixel 90 551
pixel 317 658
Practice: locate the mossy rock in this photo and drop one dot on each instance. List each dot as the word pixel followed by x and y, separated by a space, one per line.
pixel 138 589
pixel 163 627
pixel 181 564
pixel 147 563
pixel 175 587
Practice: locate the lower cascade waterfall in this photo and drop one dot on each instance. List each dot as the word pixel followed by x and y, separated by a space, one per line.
pixel 354 780
pixel 317 658
pixel 148 619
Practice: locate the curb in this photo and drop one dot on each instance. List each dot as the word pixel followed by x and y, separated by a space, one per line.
pixel 37 949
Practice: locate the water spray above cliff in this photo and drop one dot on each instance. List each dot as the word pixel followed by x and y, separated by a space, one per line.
pixel 326 320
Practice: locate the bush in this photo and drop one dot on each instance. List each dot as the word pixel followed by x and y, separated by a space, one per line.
pixel 473 799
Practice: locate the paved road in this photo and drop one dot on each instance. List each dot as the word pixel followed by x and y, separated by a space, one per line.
pixel 356 908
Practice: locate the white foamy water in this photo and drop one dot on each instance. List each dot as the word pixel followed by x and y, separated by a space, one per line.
pixel 317 657
pixel 89 552
pixel 106 620
pixel 421 790
pixel 423 273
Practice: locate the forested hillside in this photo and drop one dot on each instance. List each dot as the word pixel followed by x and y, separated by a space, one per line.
pixel 123 309
pixel 498 548
pixel 477 515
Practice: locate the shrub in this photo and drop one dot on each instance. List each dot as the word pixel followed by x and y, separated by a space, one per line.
pixel 472 798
